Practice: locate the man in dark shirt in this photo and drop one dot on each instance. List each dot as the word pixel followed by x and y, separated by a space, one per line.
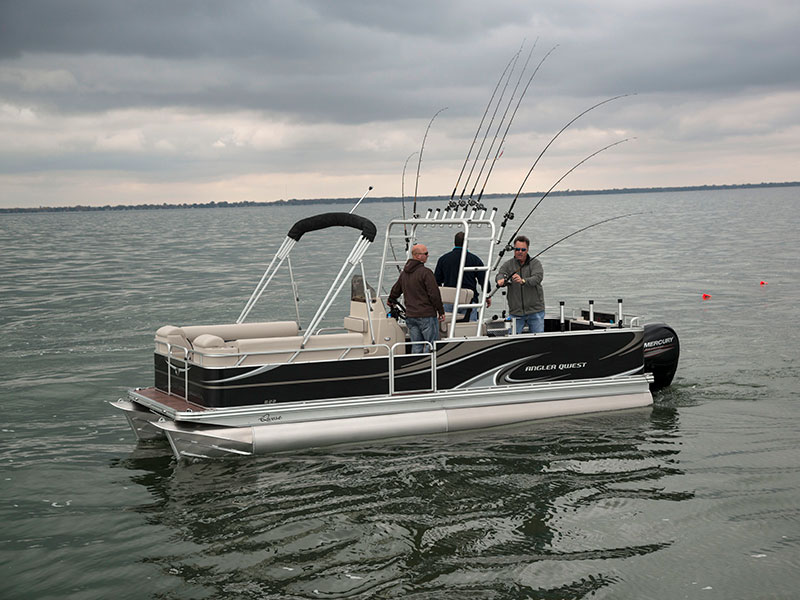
pixel 447 275
pixel 422 298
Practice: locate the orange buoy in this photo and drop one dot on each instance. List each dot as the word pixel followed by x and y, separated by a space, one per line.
pixel 706 296
pixel 763 283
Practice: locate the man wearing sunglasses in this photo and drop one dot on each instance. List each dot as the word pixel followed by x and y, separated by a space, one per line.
pixel 423 300
pixel 523 276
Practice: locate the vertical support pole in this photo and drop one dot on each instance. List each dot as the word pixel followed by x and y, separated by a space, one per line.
pixel 561 313
pixel 591 314
pixel 620 318
pixel 169 369
pixel 295 295
pixel 434 378
pixel 391 370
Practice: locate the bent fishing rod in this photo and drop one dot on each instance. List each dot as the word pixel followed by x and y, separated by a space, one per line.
pixel 403 204
pixel 419 163
pixel 552 187
pixel 480 125
pixel 403 196
pixel 566 237
pixel 500 124
pixel 515 59
pixel 505 133
pixel 510 212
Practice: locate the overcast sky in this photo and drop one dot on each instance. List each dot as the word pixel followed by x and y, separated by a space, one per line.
pixel 131 102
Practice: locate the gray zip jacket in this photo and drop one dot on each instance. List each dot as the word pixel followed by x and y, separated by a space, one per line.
pixel 528 297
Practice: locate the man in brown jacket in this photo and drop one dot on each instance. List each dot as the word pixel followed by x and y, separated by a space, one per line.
pixel 417 285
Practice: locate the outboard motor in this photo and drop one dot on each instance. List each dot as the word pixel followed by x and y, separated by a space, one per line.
pixel 661 352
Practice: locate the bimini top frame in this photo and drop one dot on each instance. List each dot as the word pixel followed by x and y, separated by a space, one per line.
pixel 480 231
pixel 323 221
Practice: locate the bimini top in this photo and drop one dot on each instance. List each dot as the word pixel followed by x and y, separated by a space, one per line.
pixel 334 219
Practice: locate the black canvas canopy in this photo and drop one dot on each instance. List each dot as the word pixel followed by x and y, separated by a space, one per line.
pixel 336 219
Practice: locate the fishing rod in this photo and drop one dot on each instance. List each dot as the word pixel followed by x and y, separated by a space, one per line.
pixel 552 187
pixel 419 163
pixel 489 127
pixel 500 125
pixel 480 125
pixel 403 196
pixel 519 101
pixel 566 237
pixel 403 184
pixel 510 212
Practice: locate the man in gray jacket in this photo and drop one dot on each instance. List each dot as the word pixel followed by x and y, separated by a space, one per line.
pixel 523 276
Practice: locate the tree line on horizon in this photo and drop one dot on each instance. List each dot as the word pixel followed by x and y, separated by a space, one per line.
pixel 295 201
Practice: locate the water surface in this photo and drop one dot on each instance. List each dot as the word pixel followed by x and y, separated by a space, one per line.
pixel 695 497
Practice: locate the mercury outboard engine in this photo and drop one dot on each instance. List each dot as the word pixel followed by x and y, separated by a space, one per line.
pixel 661 352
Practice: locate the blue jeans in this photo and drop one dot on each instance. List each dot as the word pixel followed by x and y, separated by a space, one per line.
pixel 462 311
pixel 534 321
pixel 422 329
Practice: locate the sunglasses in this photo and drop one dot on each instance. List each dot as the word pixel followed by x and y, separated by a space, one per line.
pixel 425 253
pixel 520 249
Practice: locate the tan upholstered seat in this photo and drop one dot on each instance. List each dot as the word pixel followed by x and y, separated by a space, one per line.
pixel 213 351
pixel 336 340
pixel 239 331
pixel 449 295
pixel 175 337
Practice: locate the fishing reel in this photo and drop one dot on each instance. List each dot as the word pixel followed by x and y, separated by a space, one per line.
pixel 508 248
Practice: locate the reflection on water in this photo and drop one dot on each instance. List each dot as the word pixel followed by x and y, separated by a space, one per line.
pixel 551 508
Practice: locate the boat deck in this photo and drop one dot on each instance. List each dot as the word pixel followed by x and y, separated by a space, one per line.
pixel 174 402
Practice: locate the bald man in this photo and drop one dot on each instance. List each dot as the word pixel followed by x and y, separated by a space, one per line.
pixel 423 301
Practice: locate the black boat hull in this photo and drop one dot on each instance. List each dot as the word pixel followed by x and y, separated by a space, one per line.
pixel 466 364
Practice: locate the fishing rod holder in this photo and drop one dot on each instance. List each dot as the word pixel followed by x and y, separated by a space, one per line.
pixel 439 217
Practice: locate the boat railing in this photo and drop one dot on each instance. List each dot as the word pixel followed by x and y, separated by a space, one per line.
pixel 431 353
pixel 601 320
pixel 325 330
pixel 184 370
pixel 343 352
pixel 184 355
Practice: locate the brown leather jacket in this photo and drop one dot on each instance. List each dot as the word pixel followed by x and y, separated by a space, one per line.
pixel 418 287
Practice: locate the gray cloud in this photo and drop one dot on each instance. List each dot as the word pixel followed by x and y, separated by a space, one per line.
pixel 236 88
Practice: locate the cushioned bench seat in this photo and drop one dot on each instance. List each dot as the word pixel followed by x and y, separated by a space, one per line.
pixel 184 337
pixel 239 331
pixel 213 351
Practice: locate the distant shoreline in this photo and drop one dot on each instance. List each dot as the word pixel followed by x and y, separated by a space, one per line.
pixel 109 207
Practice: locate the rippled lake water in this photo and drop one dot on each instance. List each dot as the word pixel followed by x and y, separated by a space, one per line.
pixel 696 497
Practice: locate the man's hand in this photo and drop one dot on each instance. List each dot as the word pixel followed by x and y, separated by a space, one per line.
pixel 441 318
pixel 501 282
pixel 517 279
